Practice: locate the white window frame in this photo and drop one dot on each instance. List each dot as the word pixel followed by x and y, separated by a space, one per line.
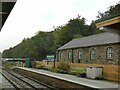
pixel 93 54
pixel 110 53
pixel 70 55
pixel 80 54
pixel 60 55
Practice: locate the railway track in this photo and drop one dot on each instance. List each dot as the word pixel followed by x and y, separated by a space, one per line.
pixel 24 83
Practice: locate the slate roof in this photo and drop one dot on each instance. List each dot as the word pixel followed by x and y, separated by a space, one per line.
pixel 97 39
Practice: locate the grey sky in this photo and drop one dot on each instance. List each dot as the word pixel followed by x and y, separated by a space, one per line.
pixel 28 17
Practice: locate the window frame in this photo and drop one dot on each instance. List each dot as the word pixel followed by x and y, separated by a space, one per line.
pixel 80 54
pixel 109 53
pixel 92 54
pixel 60 55
pixel 70 55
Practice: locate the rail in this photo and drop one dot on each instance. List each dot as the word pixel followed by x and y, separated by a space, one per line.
pixel 21 82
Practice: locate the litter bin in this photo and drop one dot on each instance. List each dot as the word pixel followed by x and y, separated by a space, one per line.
pixel 94 72
pixel 27 62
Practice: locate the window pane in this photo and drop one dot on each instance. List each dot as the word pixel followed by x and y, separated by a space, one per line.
pixel 59 55
pixel 93 55
pixel 110 53
pixel 80 55
pixel 69 55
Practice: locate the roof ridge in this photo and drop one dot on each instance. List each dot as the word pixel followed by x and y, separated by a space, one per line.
pixel 91 35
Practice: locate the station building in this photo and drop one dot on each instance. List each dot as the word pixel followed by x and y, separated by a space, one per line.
pixel 95 49
pixel 101 48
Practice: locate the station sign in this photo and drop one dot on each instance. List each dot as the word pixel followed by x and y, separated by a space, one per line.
pixel 50 57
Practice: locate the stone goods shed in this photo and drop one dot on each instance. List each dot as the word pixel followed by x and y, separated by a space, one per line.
pixel 101 48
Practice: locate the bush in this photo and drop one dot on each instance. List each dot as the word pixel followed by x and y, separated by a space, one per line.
pixel 39 66
pixel 48 67
pixel 63 67
pixel 54 70
pixel 78 71
pixel 98 77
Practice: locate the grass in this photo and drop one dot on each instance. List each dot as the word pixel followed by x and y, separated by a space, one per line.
pixel 8 65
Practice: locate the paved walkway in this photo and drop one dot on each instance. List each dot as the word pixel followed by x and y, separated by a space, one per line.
pixel 98 84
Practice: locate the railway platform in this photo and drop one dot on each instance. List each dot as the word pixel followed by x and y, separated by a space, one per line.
pixel 95 84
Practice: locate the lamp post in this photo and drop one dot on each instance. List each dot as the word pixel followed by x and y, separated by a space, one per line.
pixel 54 61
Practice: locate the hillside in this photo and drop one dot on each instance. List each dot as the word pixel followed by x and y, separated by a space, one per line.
pixel 44 43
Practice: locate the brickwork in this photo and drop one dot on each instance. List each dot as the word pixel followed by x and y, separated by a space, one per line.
pixel 101 54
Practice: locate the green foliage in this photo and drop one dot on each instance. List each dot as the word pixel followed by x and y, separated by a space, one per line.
pixel 39 66
pixel 98 77
pixel 77 71
pixel 63 67
pixel 8 65
pixel 54 70
pixel 45 43
pixel 48 67
pixel 112 10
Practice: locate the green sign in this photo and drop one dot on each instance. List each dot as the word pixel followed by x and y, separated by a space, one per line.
pixel 50 57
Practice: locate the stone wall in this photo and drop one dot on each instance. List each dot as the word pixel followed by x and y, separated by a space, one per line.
pixel 100 54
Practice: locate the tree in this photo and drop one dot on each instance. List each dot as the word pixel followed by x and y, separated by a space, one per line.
pixel 112 10
pixel 44 43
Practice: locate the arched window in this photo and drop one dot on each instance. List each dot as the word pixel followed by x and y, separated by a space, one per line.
pixel 80 54
pixel 70 55
pixel 93 54
pixel 110 53
pixel 60 55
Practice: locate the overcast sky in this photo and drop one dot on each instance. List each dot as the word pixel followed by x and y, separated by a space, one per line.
pixel 31 16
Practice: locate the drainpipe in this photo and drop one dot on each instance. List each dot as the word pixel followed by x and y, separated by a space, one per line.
pixel 72 55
